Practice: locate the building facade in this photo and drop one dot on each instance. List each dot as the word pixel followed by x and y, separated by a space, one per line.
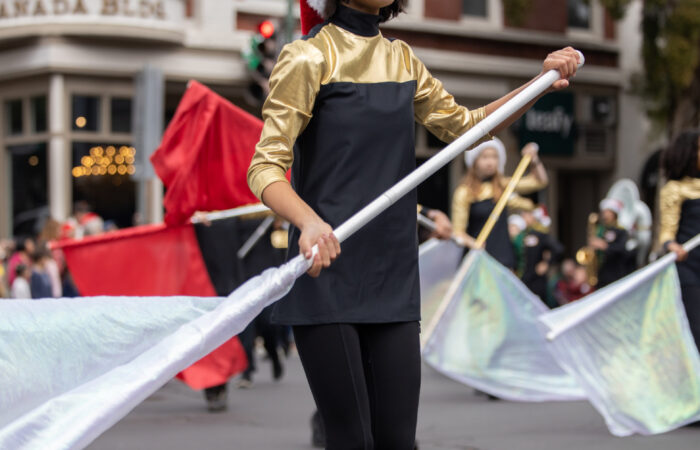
pixel 67 85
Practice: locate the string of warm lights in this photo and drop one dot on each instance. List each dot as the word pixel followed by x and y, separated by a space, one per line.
pixel 106 161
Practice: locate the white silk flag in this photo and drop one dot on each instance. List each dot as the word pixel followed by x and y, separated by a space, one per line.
pixel 630 348
pixel 437 264
pixel 71 368
pixel 489 338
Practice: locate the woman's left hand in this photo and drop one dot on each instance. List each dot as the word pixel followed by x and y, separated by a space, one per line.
pixel 443 228
pixel 675 247
pixel 566 62
pixel 531 149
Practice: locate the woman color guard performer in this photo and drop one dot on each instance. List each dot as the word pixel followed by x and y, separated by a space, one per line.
pixel 680 218
pixel 342 105
pixel 610 244
pixel 480 189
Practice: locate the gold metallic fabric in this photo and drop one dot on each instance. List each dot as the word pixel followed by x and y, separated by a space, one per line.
pixel 672 196
pixel 462 199
pixel 336 55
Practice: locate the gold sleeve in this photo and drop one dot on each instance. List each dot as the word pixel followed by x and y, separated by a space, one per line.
pixel 460 209
pixel 294 84
pixel 517 202
pixel 670 201
pixel 436 109
pixel 528 184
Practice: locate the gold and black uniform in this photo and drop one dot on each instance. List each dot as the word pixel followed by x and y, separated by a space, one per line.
pixel 341 113
pixel 471 210
pixel 680 221
pixel 615 259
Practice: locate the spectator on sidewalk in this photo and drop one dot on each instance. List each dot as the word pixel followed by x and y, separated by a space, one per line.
pixel 20 284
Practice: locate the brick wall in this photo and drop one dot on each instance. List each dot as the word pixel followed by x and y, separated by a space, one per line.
pixel 545 15
pixel 443 9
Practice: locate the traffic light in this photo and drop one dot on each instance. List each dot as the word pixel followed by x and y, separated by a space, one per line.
pixel 260 57
pixel 266 29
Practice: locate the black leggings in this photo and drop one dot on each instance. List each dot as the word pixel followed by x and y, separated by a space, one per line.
pixel 365 380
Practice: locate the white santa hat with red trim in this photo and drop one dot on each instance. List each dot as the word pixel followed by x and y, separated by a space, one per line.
pixel 495 143
pixel 542 216
pixel 612 204
pixel 313 12
pixel 517 221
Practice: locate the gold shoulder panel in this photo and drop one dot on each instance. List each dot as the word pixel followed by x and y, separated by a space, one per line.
pixel 294 84
pixel 518 203
pixel 670 210
pixel 337 55
pixel 434 107
pixel 528 184
pixel 360 59
pixel 671 198
pixel 460 208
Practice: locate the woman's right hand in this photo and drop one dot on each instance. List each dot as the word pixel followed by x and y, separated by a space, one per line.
pixel 318 232
pixel 678 249
pixel 467 241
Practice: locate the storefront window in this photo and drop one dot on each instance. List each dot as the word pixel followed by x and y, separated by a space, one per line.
pixel 102 177
pixel 38 114
pixel 579 13
pixel 86 113
pixel 121 115
pixel 29 186
pixel 477 8
pixel 14 121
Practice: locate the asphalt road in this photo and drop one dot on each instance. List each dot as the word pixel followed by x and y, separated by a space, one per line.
pixel 274 416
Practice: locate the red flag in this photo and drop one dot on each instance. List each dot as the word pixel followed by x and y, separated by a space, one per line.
pixel 204 155
pixel 139 261
pixel 153 260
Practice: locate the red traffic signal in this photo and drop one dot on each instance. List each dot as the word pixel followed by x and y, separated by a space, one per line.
pixel 266 29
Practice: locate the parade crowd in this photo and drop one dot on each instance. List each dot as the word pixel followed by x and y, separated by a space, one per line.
pixel 29 268
pixel 522 239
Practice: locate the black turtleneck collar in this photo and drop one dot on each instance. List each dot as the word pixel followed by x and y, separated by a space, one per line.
pixel 355 21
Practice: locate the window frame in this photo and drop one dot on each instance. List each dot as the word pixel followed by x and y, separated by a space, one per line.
pixel 596 29
pixel 493 19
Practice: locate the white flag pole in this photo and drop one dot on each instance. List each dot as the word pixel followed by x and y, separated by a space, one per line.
pixel 629 281
pixel 255 208
pixel 255 237
pixel 461 144
pixel 432 226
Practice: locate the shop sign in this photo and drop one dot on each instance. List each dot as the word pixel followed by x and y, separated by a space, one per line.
pixel 137 9
pixel 551 124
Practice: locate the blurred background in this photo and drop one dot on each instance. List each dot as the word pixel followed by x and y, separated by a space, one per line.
pixel 87 86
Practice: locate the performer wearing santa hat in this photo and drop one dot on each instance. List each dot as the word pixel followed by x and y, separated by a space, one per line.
pixel 480 189
pixel 610 243
pixel 342 105
pixel 679 201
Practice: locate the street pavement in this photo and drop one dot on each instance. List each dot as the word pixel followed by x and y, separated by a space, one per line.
pixel 276 415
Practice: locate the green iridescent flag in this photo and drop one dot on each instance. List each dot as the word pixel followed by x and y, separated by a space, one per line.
pixel 489 337
pixel 630 348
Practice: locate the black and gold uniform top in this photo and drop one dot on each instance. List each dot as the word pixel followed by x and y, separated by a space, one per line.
pixel 342 108
pixel 531 248
pixel 616 261
pixel 680 221
pixel 470 211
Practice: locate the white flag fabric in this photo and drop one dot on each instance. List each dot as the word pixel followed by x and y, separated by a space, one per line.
pixel 489 337
pixel 630 348
pixel 438 262
pixel 71 368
